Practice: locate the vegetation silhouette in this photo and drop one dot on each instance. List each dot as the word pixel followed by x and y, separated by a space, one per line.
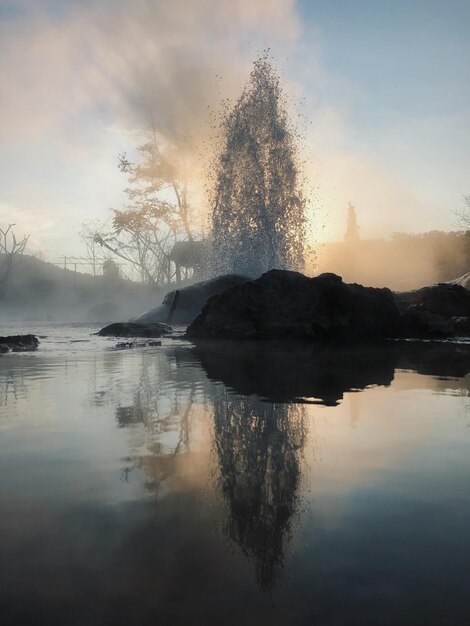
pixel 159 213
pixel 352 228
pixel 11 249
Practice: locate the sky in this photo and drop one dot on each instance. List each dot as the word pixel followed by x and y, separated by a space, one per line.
pixel 382 87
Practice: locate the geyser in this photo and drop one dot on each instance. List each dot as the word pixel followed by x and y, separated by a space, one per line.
pixel 258 215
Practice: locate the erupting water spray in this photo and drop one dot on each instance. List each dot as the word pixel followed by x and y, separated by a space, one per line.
pixel 258 207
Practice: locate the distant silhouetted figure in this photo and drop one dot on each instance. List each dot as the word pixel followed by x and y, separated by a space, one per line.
pixel 111 270
pixel 352 229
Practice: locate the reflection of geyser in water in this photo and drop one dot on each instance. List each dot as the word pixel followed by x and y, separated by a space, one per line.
pixel 258 446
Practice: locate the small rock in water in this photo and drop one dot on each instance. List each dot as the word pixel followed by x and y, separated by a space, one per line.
pixel 125 345
pixel 418 322
pixel 446 300
pixel 461 326
pixel 133 329
pixel 18 343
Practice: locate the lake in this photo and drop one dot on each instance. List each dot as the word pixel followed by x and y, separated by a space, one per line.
pixel 233 483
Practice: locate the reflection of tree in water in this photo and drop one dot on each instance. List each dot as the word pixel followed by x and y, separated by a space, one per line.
pixel 162 399
pixel 12 386
pixel 157 399
pixel 258 446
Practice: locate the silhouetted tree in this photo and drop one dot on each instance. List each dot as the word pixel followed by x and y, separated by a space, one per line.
pixel 10 249
pixel 258 215
pixel 88 236
pixel 159 211
pixel 464 214
pixel 352 229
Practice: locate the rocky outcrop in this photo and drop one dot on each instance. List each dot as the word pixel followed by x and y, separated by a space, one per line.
pixel 418 322
pixel 436 311
pixel 444 299
pixel 18 343
pixel 283 304
pixel 130 329
pixel 290 305
pixel 190 300
pixel 461 326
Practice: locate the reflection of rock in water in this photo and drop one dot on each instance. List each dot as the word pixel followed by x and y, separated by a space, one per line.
pixel 440 359
pixel 258 446
pixel 295 372
pixel 128 415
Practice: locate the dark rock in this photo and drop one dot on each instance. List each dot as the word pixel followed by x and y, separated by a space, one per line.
pixel 461 326
pixel 418 322
pixel 444 299
pixel 129 329
pixel 127 345
pixel 190 300
pixel 18 343
pixel 283 304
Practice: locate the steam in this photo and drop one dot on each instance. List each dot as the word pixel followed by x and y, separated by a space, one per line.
pixel 122 60
pixel 80 81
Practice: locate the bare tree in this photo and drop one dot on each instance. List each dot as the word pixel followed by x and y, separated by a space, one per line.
pixel 88 236
pixel 10 249
pixel 463 215
pixel 142 239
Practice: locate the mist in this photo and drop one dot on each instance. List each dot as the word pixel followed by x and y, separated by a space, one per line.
pixel 402 262
pixel 99 75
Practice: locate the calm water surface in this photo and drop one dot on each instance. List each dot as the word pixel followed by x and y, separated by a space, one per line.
pixel 233 484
